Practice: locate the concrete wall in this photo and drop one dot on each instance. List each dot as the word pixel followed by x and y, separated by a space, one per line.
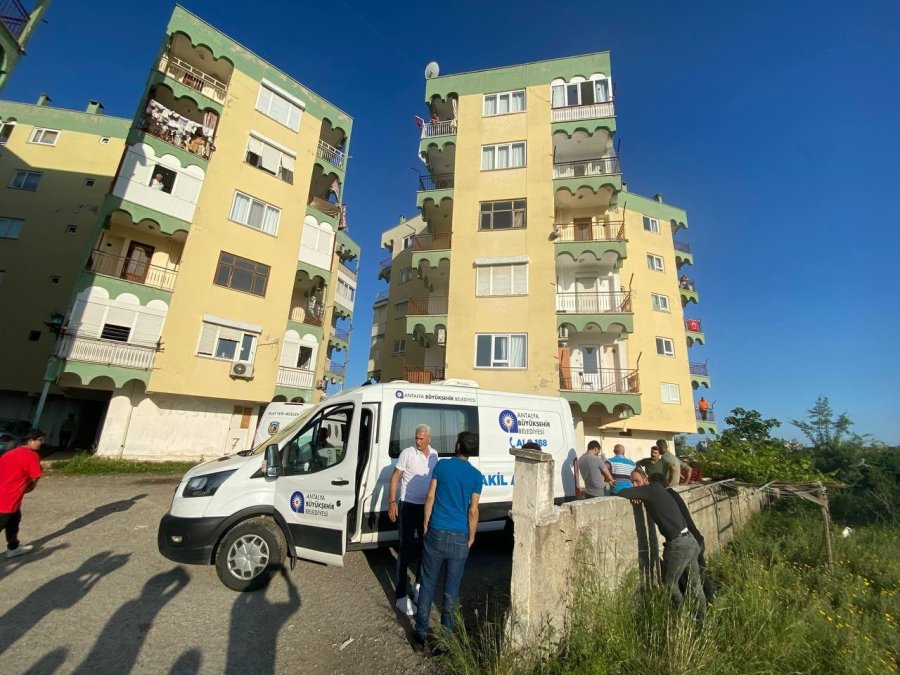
pixel 606 536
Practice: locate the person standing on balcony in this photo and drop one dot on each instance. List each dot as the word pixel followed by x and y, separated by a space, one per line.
pixel 20 470
pixel 670 464
pixel 412 474
pixel 618 470
pixel 703 407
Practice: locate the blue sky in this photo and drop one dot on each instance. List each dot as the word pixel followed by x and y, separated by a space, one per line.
pixel 774 124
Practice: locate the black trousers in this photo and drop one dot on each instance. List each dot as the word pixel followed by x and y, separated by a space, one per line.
pixel 9 522
pixel 411 522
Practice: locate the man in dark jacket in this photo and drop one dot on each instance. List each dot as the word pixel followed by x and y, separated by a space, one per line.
pixel 681 549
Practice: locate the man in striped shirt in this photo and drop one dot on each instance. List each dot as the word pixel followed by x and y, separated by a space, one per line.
pixel 618 470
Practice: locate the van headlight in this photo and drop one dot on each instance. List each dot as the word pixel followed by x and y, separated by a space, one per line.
pixel 205 485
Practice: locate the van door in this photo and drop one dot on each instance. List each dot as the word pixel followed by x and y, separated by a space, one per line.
pixel 318 487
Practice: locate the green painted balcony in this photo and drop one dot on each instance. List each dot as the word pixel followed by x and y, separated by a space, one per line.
pixel 699 375
pixel 435 188
pixel 593 173
pixel 687 290
pixel 612 388
pixel 591 235
pixel 335 370
pixel 133 274
pixel 693 328
pixel 130 360
pixel 604 309
pixel 706 421
pixel 428 312
pixel 683 255
pixel 431 248
pixel 345 246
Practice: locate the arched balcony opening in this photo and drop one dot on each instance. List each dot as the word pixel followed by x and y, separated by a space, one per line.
pixel 196 67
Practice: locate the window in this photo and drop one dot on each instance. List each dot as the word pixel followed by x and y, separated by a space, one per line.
pixel 446 421
pixel 504 156
pixel 400 309
pixel 255 213
pixel 502 215
pixel 162 179
pixel 665 346
pixel 406 275
pixel 651 225
pixel 504 103
pixel 6 129
pixel 89 182
pixel 320 444
pixel 10 228
pixel 270 159
pixel 655 263
pixel 104 140
pixel 34 335
pixel 500 351
pixel 226 343
pixel 54 280
pixel 71 229
pixel 25 180
pixel 399 347
pixel 659 302
pixel 669 393
pixel 345 290
pixel 278 107
pixel 304 358
pixel 112 331
pixel 44 136
pixel 502 279
pixel 241 274
pixel 408 241
pixel 580 93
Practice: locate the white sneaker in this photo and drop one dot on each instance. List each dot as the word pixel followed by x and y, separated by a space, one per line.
pixel 21 550
pixel 406 606
pixel 415 596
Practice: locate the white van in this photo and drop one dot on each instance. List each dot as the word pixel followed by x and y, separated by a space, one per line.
pixel 274 417
pixel 305 495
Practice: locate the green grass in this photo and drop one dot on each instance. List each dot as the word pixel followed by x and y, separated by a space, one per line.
pixel 778 609
pixel 88 465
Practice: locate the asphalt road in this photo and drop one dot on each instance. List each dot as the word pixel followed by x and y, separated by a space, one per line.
pixel 97 597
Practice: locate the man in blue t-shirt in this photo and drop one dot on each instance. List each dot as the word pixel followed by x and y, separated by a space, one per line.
pixel 451 518
pixel 618 470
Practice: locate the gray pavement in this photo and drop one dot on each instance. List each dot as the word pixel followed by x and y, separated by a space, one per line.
pixel 97 597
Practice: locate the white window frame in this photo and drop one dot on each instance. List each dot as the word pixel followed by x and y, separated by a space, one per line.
pixel 659 302
pixel 398 348
pixel 487 275
pixel 665 346
pixel 266 209
pixel 25 175
pixel 408 241
pixel 39 135
pixel 513 211
pixel 286 157
pixel 651 225
pixel 656 262
pixel 494 149
pixel 11 228
pixel 496 363
pixel 345 290
pixel 510 96
pixel 570 104
pixel 254 336
pixel 274 92
pixel 670 393
pixel 6 130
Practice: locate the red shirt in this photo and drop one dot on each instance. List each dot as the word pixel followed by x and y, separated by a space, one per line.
pixel 18 467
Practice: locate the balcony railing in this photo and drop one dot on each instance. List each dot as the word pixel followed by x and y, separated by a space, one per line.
pixel 575 113
pixel 693 325
pixel 707 416
pixel 602 166
pixel 14 16
pixel 423 374
pixel 431 306
pixel 330 154
pixel 106 352
pixel 325 206
pixel 341 334
pixel 686 284
pixel 603 380
pixel 130 269
pixel 445 128
pixel 347 271
pixel 335 368
pixel 431 242
pixel 192 77
pixel 699 369
pixel 385 264
pixel 613 302
pixel 296 378
pixel 380 296
pixel 682 246
pixel 599 231
pixel 174 129
pixel 441 181
pixel 310 315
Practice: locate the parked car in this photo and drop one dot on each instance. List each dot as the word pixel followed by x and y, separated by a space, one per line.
pixel 12 433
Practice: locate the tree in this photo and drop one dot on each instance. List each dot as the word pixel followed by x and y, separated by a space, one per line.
pixel 747 425
pixel 821 427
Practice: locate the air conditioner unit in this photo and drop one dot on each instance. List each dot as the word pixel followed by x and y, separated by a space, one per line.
pixel 242 369
pixel 441 336
pixel 322 384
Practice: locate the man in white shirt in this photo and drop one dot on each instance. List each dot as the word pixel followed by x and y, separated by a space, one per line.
pixel 412 474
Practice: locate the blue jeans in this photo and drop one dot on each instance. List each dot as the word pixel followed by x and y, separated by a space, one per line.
pixel 441 546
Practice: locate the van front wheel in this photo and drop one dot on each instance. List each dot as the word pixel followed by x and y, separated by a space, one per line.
pixel 248 553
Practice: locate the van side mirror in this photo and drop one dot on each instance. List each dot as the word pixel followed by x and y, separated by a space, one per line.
pixel 273 461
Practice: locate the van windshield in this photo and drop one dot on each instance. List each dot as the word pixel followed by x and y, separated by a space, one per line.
pixel 284 432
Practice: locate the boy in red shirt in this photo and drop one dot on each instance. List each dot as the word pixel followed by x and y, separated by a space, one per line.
pixel 20 469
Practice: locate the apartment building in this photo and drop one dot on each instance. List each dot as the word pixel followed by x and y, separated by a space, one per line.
pixel 219 274
pixel 18 19
pixel 533 268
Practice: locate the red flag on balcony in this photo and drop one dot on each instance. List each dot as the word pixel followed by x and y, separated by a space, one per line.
pixel 693 325
pixel 419 121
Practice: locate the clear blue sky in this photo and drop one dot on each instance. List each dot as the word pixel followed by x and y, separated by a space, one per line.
pixel 776 125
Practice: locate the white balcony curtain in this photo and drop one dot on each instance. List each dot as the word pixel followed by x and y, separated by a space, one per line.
pixel 558 95
pixel 487 159
pixel 490 106
pixel 518 154
pixel 516 351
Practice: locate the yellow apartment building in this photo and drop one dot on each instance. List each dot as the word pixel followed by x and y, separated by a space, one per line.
pixel 219 275
pixel 532 268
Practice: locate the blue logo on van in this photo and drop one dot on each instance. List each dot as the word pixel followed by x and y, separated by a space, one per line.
pixel 298 502
pixel 273 427
pixel 509 422
pixel 399 394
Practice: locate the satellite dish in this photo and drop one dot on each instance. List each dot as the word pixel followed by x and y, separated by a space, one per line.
pixel 432 70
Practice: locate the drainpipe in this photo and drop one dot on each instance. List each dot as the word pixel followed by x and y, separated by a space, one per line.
pixel 40 405
pixel 127 420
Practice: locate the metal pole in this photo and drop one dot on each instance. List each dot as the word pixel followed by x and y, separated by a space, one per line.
pixel 40 405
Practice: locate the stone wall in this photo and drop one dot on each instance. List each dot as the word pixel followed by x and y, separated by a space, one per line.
pixel 607 535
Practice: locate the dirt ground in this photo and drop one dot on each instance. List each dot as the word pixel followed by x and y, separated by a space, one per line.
pixel 97 597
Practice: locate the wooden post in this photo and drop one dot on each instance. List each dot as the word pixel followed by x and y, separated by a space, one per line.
pixel 826 517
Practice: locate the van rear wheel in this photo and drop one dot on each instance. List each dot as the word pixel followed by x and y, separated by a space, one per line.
pixel 248 553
